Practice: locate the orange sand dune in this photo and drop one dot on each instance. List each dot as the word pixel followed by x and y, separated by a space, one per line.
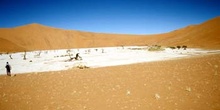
pixel 5 44
pixel 205 35
pixel 36 36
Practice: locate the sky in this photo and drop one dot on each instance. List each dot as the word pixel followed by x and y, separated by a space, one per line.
pixel 109 16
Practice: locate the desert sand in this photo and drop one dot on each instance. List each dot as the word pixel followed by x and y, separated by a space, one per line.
pixel 38 37
pixel 184 84
pixel 188 83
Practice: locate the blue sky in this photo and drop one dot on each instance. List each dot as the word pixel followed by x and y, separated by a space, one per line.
pixel 109 16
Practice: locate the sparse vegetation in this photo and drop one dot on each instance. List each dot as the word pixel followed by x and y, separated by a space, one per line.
pixel 69 54
pixel 122 46
pixel 172 47
pixel 184 47
pixel 39 53
pixel 10 56
pixel 178 47
pixel 156 48
pixel 82 67
pixel 62 55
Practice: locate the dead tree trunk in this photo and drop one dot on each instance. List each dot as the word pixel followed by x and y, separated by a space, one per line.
pixel 25 56
pixel 10 56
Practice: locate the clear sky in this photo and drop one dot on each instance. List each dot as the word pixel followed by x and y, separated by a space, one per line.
pixel 109 16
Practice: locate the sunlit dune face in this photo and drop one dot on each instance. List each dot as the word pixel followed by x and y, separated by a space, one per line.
pixel 39 37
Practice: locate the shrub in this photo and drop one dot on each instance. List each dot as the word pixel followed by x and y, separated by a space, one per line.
pixel 172 47
pixel 178 47
pixel 184 47
pixel 82 67
pixel 155 48
pixel 69 54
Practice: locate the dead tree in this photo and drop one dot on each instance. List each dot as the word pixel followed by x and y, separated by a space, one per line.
pixel 25 55
pixel 10 56
pixel 184 47
pixel 178 47
pixel 69 54
pixel 39 53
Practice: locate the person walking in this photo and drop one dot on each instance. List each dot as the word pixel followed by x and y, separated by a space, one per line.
pixel 8 69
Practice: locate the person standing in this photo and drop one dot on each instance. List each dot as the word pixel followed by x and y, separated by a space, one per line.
pixel 8 69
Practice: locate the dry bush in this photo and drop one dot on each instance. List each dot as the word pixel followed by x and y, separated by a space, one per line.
pixel 184 47
pixel 178 47
pixel 82 67
pixel 172 47
pixel 156 48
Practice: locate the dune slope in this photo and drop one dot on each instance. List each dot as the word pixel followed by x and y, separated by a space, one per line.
pixel 38 37
pixel 10 46
pixel 205 35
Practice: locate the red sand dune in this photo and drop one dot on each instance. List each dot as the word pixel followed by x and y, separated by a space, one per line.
pixel 36 36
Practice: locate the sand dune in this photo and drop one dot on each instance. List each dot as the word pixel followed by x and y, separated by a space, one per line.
pixel 205 35
pixel 38 37
pixel 183 84
pixel 5 44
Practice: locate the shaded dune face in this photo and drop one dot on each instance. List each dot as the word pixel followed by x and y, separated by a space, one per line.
pixel 39 37
pixel 9 46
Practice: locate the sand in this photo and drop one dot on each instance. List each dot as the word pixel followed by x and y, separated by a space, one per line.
pixel 182 84
pixel 190 83
pixel 39 37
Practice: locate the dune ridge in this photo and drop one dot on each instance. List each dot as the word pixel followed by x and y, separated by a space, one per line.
pixel 39 37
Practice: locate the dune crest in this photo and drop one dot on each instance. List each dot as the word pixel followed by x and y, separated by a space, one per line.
pixel 39 37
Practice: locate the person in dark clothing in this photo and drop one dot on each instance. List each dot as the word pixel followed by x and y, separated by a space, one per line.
pixel 8 69
pixel 78 57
